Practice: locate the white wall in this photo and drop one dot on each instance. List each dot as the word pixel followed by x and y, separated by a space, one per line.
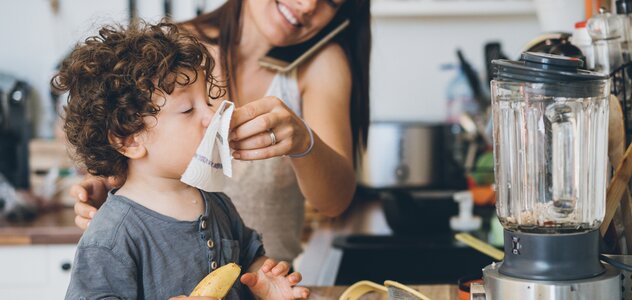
pixel 407 83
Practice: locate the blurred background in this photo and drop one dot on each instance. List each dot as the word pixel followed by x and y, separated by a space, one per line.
pixel 430 67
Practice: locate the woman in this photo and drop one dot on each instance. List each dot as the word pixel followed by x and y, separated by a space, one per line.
pixel 278 162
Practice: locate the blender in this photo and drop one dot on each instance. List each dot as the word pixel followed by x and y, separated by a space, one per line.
pixel 550 153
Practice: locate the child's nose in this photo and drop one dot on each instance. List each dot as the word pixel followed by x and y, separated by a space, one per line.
pixel 207 117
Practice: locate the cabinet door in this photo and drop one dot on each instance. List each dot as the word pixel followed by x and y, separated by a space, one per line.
pixel 23 267
pixel 35 272
pixel 60 266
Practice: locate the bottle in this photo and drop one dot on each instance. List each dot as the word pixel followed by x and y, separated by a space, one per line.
pixel 583 41
pixel 460 98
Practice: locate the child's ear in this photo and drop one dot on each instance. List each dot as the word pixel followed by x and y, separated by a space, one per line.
pixel 132 146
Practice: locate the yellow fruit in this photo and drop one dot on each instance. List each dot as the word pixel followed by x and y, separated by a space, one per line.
pixel 218 283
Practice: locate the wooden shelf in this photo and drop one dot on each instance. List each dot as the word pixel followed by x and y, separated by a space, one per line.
pixel 436 8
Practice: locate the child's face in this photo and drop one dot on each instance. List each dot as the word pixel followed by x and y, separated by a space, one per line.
pixel 174 134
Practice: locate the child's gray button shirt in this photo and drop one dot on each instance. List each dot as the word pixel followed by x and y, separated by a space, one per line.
pixel 132 252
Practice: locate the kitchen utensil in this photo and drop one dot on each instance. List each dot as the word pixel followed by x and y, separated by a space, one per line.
pixel 410 155
pixel 616 145
pixel 394 290
pixel 479 245
pixel 605 29
pixel 550 152
pixel 618 186
pixel 474 82
pixel 15 130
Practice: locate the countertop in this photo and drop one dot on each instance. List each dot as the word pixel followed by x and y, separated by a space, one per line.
pixel 439 292
pixel 52 227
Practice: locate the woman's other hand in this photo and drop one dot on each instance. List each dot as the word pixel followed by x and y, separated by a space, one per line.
pixel 267 128
pixel 89 196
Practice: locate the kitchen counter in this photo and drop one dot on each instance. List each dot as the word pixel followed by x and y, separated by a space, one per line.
pixel 442 292
pixel 52 227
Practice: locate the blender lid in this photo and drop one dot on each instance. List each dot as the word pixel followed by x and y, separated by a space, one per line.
pixel 544 68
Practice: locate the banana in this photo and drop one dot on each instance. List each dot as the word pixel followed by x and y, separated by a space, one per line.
pixel 218 283
pixel 360 288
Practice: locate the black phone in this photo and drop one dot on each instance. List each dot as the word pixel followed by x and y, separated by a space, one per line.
pixel 286 58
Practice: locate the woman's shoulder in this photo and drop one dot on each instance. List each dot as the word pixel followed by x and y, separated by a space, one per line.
pixel 330 62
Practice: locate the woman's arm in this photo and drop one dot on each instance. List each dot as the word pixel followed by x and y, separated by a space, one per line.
pixel 326 176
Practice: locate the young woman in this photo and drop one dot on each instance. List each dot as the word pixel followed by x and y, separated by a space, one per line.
pixel 279 162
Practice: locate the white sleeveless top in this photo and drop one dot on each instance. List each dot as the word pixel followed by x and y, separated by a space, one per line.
pixel 266 192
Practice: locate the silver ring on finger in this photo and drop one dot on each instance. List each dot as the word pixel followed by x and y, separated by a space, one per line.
pixel 272 137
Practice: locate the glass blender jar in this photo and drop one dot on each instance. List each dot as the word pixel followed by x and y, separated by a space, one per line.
pixel 550 152
pixel 551 144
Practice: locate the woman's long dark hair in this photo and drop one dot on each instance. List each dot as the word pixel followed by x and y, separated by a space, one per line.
pixel 355 40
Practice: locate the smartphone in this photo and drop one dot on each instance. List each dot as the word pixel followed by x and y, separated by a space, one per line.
pixel 286 58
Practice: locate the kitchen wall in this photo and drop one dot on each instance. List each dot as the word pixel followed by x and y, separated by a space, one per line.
pixel 407 81
pixel 409 48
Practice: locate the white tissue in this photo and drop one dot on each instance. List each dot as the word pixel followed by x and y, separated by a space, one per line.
pixel 212 160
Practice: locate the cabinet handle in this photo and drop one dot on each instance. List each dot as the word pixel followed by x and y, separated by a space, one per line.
pixel 66 266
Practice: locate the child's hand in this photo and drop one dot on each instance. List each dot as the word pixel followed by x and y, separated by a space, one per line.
pixel 183 297
pixel 271 281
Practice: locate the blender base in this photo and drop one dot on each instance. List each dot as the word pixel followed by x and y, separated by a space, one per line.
pixel 498 286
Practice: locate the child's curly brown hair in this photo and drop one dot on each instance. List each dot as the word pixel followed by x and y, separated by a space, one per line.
pixel 111 79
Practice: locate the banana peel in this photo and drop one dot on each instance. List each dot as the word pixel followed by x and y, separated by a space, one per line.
pixel 219 282
pixel 394 289
pixel 360 288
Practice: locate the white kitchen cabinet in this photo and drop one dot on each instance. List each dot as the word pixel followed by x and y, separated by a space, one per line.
pixel 35 271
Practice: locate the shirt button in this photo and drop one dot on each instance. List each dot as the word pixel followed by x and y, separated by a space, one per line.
pixel 213 265
pixel 203 224
pixel 210 244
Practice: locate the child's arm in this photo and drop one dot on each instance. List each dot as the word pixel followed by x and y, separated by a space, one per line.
pixel 268 279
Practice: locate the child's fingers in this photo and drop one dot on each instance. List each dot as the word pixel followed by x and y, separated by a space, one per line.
pixel 249 279
pixel 294 278
pixel 300 292
pixel 281 269
pixel 268 265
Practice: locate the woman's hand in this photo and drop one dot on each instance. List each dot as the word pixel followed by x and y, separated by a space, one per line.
pixel 266 128
pixel 272 281
pixel 89 196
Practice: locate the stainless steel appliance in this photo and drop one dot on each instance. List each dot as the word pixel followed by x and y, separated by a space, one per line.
pixel 550 148
pixel 15 130
pixel 410 155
